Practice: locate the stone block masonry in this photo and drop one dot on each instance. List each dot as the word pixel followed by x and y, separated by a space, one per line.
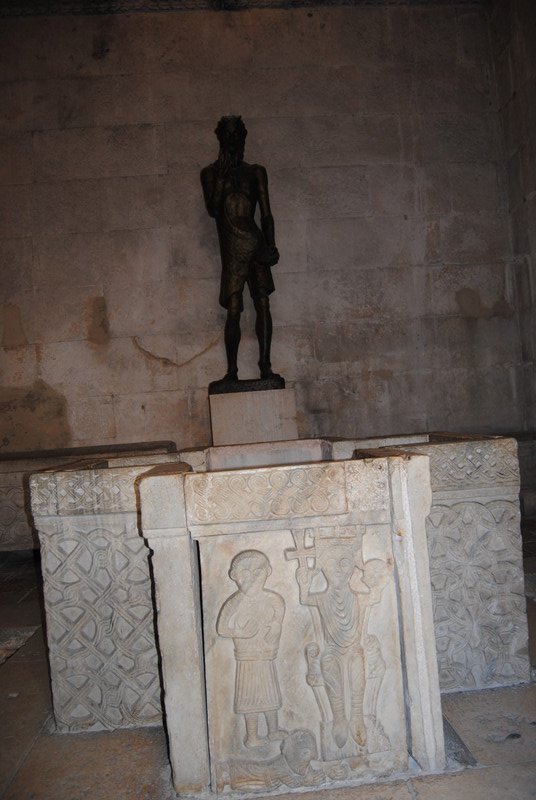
pixel 392 309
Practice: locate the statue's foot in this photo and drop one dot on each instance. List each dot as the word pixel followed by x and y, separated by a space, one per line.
pixel 277 735
pixel 232 375
pixel 254 741
pixel 266 373
pixel 359 733
pixel 340 732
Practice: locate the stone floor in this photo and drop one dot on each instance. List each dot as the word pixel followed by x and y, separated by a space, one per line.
pixel 497 727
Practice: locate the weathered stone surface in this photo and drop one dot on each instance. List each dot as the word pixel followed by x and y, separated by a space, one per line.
pixel 16 159
pixel 512 44
pixel 247 417
pixel 98 152
pixel 294 625
pixel 382 152
pixel 456 137
pixel 290 452
pixel 16 255
pixel 476 566
pixel 98 604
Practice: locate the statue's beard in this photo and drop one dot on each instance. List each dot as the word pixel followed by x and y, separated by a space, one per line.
pixel 235 157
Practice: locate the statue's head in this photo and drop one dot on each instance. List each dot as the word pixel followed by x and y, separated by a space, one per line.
pixel 231 133
pixel 250 569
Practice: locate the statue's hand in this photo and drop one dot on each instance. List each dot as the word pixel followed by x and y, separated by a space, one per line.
pixel 303 576
pixel 268 256
pixel 224 164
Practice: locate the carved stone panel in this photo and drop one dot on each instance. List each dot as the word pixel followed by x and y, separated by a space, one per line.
pixel 303 670
pixel 473 464
pixel 305 490
pixel 478 593
pixel 103 659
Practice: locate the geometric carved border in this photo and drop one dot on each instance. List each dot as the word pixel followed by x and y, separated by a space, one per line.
pixel 479 464
pixel 104 663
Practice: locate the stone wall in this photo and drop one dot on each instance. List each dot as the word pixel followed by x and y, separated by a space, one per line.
pixel 379 128
pixel 514 49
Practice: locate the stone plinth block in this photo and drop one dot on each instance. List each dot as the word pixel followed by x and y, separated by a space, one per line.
pixel 476 563
pixel 16 530
pixel 97 593
pixel 314 604
pixel 249 417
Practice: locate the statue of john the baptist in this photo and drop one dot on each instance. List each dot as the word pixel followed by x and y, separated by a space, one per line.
pixel 232 190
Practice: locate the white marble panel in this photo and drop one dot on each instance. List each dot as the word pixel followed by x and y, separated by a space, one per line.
pixel 306 669
pixel 304 678
pixel 246 417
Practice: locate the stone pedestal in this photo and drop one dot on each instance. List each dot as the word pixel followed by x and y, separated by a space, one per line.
pixel 97 587
pixel 250 417
pixel 314 603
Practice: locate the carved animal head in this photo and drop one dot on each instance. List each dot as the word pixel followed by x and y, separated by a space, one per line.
pixel 299 749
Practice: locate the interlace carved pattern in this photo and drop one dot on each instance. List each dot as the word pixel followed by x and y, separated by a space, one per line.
pixel 15 532
pixel 88 491
pixel 478 594
pixel 476 463
pixel 100 630
pixel 266 494
pixel 43 492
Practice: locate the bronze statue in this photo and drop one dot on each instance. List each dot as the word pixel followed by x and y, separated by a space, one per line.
pixel 232 189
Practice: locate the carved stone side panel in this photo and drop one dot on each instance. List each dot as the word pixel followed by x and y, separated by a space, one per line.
pixel 97 491
pixel 43 492
pixel 272 493
pixel 304 682
pixel 478 593
pixel 88 491
pixel 15 531
pixel 480 463
pixel 103 658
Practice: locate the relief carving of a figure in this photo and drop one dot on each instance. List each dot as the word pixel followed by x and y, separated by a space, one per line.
pixel 343 606
pixel 252 617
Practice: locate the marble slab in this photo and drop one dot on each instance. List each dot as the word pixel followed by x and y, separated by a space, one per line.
pixel 476 563
pixel 16 529
pixel 315 605
pixel 246 417
pixel 97 594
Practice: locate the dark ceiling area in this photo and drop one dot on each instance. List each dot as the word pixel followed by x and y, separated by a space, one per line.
pixel 32 8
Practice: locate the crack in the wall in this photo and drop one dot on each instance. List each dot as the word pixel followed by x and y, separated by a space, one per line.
pixel 167 362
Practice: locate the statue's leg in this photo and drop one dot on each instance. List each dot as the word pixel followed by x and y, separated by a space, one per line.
pixel 232 335
pixel 334 683
pixel 263 329
pixel 356 676
pixel 272 723
pixel 252 738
